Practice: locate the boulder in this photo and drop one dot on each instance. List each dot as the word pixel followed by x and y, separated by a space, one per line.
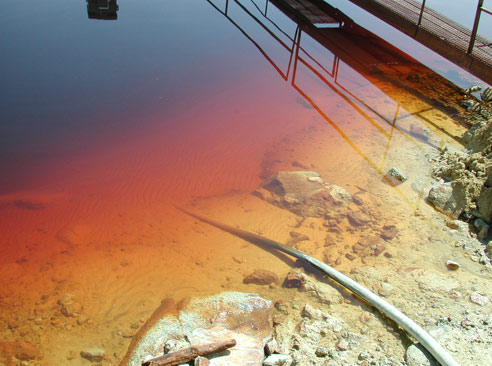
pixel 469 173
pixel 304 193
pixel 296 185
pixel 442 198
pixel 479 137
pixel 229 315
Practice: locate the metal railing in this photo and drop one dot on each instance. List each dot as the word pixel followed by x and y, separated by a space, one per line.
pixel 421 13
pixel 480 8
pixel 473 36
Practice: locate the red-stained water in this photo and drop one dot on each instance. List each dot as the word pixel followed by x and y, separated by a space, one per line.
pixel 107 125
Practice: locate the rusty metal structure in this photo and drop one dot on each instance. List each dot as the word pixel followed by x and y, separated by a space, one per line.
pixel 458 44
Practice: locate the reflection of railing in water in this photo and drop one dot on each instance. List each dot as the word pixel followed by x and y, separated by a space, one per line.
pixel 299 55
pixel 285 75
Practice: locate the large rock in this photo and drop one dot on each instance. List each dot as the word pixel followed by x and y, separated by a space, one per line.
pixel 295 185
pixel 442 198
pixel 479 137
pixel 469 173
pixel 303 193
pixel 241 316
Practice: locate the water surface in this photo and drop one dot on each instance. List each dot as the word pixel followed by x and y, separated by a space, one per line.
pixel 108 124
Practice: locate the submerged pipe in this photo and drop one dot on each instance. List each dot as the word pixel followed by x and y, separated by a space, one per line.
pixel 440 354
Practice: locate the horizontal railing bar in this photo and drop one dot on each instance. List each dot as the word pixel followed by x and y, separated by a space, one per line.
pixel 485 10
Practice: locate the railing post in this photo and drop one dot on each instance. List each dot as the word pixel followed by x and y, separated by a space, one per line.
pixel 422 13
pixel 475 27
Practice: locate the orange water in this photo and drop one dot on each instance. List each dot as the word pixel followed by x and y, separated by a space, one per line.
pixel 87 202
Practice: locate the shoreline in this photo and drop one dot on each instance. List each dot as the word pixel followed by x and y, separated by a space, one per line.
pixel 416 264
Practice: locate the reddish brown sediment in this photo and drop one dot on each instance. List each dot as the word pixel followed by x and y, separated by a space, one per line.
pixel 101 225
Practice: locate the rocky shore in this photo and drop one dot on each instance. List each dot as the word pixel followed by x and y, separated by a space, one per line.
pixel 313 323
pixel 432 265
pixel 463 186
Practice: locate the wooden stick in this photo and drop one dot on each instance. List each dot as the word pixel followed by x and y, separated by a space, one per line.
pixel 188 354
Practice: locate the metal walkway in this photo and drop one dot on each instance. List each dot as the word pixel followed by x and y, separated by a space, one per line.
pixel 448 38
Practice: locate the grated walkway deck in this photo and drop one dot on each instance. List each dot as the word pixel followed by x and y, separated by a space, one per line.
pixel 437 32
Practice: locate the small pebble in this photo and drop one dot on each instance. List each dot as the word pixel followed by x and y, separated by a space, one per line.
pixel 277 360
pixel 478 299
pixel 342 345
pixel 201 361
pixel 396 176
pixel 452 265
pixel 322 351
pixel 417 355
pixel 282 306
pixel 93 354
pixel 364 355
pixel 386 289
